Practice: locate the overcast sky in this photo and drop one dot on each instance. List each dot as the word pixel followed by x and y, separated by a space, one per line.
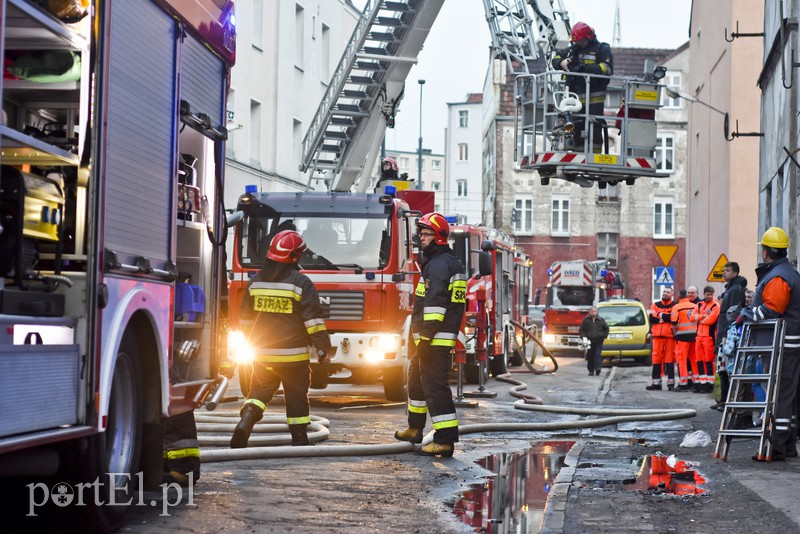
pixel 455 57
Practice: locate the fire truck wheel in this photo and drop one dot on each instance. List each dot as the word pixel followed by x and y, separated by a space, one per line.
pixel 394 384
pixel 497 365
pixel 112 458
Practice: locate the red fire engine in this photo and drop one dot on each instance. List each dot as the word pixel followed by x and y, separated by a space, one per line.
pixel 111 251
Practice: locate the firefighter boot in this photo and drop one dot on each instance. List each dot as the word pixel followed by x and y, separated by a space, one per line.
pixel 412 435
pixel 299 435
pixel 251 414
pixel 436 449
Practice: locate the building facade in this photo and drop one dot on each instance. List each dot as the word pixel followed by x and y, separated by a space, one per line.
pixel 724 194
pixel 463 189
pixel 433 172
pixel 286 53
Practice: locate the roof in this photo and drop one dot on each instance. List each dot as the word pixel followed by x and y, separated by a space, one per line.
pixel 630 61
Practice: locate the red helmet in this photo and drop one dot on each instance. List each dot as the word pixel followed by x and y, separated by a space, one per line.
pixel 391 162
pixel 286 247
pixel 581 30
pixel 438 224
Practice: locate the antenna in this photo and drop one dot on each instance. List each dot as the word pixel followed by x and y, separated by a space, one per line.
pixel 617 26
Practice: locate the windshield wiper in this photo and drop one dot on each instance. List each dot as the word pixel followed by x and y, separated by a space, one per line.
pixel 359 269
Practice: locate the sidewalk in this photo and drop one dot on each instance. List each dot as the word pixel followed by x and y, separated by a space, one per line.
pixel 598 490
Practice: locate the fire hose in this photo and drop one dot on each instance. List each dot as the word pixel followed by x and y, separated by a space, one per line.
pixel 319 430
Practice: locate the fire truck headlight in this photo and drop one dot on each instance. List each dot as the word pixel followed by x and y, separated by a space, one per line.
pixel 239 349
pixel 549 338
pixel 384 343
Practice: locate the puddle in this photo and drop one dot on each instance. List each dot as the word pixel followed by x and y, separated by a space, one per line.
pixel 654 474
pixel 513 499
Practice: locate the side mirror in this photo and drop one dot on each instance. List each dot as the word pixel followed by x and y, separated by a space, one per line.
pixel 234 218
pixel 487 245
pixel 484 262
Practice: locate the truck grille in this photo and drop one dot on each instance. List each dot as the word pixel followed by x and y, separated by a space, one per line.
pixel 342 305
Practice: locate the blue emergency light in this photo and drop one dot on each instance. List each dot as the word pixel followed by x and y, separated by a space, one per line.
pixel 251 188
pixel 451 219
pixel 390 190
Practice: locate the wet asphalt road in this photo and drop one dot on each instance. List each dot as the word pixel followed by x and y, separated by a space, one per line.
pixel 409 493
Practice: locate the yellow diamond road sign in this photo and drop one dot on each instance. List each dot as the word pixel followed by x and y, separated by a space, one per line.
pixel 716 271
pixel 666 252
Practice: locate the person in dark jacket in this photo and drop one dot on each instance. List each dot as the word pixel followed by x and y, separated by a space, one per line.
pixel 283 309
pixel 734 295
pixel 778 296
pixel 586 55
pixel 595 329
pixel 439 302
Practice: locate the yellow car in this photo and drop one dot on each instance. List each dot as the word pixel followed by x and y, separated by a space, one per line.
pixel 629 330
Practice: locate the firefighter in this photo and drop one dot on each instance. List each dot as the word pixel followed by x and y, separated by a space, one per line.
pixel 286 317
pixel 778 295
pixel 663 341
pixel 586 55
pixel 439 302
pixel 181 450
pixel 389 170
pixel 685 333
pixel 706 314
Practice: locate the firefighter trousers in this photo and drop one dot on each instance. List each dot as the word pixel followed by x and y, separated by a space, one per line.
pixel 296 379
pixel 181 447
pixel 785 406
pixel 429 392
pixel 687 362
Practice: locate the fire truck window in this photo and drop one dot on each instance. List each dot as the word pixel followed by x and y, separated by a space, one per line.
pixel 365 242
pixel 575 296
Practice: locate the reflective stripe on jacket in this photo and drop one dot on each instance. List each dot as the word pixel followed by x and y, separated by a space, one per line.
pixel 706 315
pixel 440 298
pixel 661 325
pixel 685 328
pixel 779 287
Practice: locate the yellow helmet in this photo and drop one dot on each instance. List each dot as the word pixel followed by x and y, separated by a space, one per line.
pixel 774 237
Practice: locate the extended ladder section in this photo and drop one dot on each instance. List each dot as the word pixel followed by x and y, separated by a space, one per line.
pixel 344 137
pixel 511 26
pixel 756 373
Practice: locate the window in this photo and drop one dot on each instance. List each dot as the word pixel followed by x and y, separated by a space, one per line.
pixel 418 163
pixel 403 163
pixel 325 55
pixel 523 215
pixel 463 118
pixel 258 24
pixel 462 188
pixel 255 133
pixel 436 164
pixel 663 219
pixel 299 36
pixel 297 136
pixel 607 246
pixel 560 222
pixel 463 152
pixel 665 153
pixel 673 80
pixel 436 186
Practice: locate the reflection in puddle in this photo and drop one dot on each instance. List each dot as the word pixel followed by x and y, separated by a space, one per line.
pixel 513 499
pixel 657 474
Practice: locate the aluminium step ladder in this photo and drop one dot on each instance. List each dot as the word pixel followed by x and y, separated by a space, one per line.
pixel 760 341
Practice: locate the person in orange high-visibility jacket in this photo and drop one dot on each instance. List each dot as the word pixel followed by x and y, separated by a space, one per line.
pixel 685 332
pixel 663 342
pixel 706 313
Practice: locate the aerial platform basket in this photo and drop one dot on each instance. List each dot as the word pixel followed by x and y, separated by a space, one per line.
pixel 549 107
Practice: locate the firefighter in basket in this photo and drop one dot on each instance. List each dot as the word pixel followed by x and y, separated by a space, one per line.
pixel 284 313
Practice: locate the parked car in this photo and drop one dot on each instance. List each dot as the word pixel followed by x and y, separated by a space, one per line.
pixel 629 330
pixel 536 315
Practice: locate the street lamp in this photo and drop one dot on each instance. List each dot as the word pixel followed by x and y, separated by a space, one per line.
pixel 677 93
pixel 419 154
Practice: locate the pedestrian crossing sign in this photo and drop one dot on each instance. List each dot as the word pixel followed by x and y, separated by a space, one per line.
pixel 665 276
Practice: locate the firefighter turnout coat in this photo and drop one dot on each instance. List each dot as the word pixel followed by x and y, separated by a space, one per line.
pixel 439 302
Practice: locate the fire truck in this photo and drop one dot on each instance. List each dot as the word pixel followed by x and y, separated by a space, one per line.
pixel 361 259
pixel 574 287
pixel 112 238
pixel 507 291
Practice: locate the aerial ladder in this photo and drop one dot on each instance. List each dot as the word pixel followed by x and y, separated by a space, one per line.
pixel 344 137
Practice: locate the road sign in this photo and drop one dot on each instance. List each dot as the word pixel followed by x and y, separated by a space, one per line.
pixel 716 272
pixel 665 252
pixel 665 276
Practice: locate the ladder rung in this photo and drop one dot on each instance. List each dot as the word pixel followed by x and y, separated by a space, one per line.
pixel 749 377
pixel 349 113
pixel 389 21
pixel 325 164
pixel 330 148
pixel 397 6
pixel 361 80
pixel 343 121
pixel 351 93
pixel 755 348
pixel 369 65
pixel 756 432
pixel 333 134
pixel 742 404
pixel 384 37
pixel 376 50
